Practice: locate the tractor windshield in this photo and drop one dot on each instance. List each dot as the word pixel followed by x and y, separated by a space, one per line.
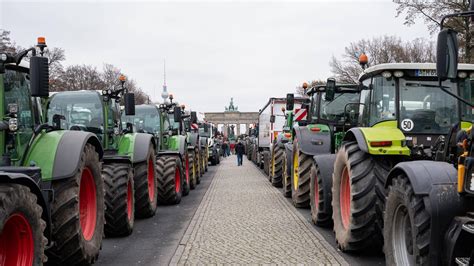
pixel 145 120
pixel 81 111
pixel 334 110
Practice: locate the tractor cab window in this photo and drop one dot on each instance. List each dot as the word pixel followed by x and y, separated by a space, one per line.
pixel 145 120
pixel 81 111
pixel 17 92
pixel 466 88
pixel 425 108
pixel 382 101
pixel 313 108
pixel 334 110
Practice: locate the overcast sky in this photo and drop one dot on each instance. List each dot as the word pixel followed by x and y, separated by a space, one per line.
pixel 213 50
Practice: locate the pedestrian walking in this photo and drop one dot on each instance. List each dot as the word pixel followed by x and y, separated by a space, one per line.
pixel 239 150
pixel 224 148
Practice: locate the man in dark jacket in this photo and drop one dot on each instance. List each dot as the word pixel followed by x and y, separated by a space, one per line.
pixel 239 150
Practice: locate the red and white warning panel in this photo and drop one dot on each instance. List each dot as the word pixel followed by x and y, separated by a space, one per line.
pixel 301 114
pixel 194 126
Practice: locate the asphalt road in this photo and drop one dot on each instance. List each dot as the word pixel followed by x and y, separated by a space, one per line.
pixel 154 240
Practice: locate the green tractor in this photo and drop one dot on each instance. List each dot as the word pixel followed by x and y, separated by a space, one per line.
pixel 175 183
pixel 195 150
pixel 51 187
pixel 320 135
pixel 394 173
pixel 205 136
pixel 129 167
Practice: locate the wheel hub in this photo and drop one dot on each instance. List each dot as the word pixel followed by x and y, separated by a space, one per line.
pixel 16 242
pixel 151 180
pixel 345 198
pixel 87 204
pixel 177 180
pixel 402 241
pixel 129 200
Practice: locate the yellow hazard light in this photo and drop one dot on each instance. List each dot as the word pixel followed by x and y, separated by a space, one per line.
pixel 363 59
pixel 41 40
pixel 122 78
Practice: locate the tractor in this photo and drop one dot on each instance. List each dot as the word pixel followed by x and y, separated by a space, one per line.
pixel 210 152
pixel 394 178
pixel 281 150
pixel 194 148
pixel 128 168
pixel 318 136
pixel 51 187
pixel 429 209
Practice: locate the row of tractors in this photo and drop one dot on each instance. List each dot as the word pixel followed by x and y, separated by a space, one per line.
pixel 76 166
pixel 386 163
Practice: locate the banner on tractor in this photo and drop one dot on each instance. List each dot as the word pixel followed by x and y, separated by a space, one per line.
pixel 300 114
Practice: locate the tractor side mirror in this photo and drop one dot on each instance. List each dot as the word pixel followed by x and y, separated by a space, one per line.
pixel 177 113
pixel 290 101
pixel 272 119
pixel 39 76
pixel 193 117
pixel 330 89
pixel 447 54
pixel 129 101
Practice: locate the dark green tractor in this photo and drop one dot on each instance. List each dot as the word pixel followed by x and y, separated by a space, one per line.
pixel 51 190
pixel 129 167
pixel 194 146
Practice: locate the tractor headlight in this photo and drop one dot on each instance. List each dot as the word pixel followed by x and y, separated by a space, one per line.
pixel 386 74
pixel 13 124
pixel 104 92
pixel 3 57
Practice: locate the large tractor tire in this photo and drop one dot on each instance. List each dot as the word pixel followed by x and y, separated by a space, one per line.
pixel 358 181
pixel 192 171
pixel 119 199
pixel 406 225
pixel 266 164
pixel 146 190
pixel 301 177
pixel 21 235
pixel 249 152
pixel 254 155
pixel 170 180
pixel 321 195
pixel 78 213
pixel 205 156
pixel 188 174
pixel 286 177
pixel 277 166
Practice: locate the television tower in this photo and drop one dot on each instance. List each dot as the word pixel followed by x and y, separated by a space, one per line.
pixel 165 93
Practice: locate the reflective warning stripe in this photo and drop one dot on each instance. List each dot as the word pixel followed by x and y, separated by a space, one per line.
pixel 300 114
pixel 194 126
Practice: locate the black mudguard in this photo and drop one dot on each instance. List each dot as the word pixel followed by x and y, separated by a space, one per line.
pixel 194 139
pixel 355 134
pixel 438 182
pixel 140 147
pixel 20 175
pixel 69 151
pixel 112 158
pixel 312 143
pixel 325 163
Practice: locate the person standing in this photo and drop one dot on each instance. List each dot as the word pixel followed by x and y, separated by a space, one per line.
pixel 224 148
pixel 239 150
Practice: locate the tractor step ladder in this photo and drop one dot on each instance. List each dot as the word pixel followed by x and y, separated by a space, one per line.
pixel 462 261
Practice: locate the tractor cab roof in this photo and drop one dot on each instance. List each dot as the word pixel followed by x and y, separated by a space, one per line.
pixel 412 69
pixel 339 88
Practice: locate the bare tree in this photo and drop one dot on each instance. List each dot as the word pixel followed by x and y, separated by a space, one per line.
pixel 432 11
pixel 385 49
pixel 6 44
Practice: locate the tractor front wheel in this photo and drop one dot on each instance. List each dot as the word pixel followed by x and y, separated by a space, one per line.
pixel 119 199
pixel 192 170
pixel 286 177
pixel 301 177
pixel 276 167
pixel 78 213
pixel 170 180
pixel 321 209
pixel 21 238
pixel 355 204
pixel 266 164
pixel 146 186
pixel 406 225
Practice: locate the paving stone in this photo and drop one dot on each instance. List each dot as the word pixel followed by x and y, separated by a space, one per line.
pixel 242 219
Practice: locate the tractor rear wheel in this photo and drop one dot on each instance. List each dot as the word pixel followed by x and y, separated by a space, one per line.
pixel 146 186
pixel 188 169
pixel 170 180
pixel 266 164
pixel 320 197
pixel 358 178
pixel 119 199
pixel 78 213
pixel 198 165
pixel 301 177
pixel 277 163
pixel 192 171
pixel 286 178
pixel 406 225
pixel 21 238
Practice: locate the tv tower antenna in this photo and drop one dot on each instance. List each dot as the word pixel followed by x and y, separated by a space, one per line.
pixel 164 94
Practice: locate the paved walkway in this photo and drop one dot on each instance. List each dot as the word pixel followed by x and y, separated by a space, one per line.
pixel 242 219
